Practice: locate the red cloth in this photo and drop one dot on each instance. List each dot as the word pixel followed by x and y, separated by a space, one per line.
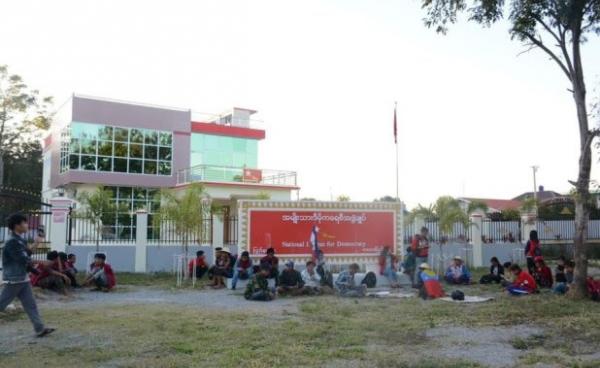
pixel 382 261
pixel 544 276
pixel 244 264
pixel 110 276
pixel 525 281
pixel 199 262
pixel 533 247
pixel 42 273
pixel 423 252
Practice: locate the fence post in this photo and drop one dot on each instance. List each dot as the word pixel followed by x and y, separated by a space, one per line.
pixel 217 230
pixel 528 223
pixel 60 223
pixel 476 231
pixel 141 240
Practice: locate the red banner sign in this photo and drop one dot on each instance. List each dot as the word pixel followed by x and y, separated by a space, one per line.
pixel 338 232
pixel 252 176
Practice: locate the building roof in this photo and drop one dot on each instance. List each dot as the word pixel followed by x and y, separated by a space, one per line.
pixel 497 204
pixel 542 195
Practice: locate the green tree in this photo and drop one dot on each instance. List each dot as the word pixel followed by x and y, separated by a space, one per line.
pixel 23 115
pixel 558 28
pixel 477 205
pixel 510 214
pixel 386 198
pixel 186 210
pixel 427 213
pixel 263 195
pixel 343 198
pixel 98 208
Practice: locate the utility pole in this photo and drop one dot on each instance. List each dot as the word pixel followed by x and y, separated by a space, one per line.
pixel 535 196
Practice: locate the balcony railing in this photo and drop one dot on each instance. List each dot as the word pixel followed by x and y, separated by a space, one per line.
pixel 210 173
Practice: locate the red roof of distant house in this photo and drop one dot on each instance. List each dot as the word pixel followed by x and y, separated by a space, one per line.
pixel 498 204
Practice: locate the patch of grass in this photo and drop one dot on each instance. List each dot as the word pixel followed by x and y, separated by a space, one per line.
pixel 163 280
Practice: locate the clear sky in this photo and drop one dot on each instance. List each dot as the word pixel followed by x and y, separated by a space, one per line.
pixel 324 75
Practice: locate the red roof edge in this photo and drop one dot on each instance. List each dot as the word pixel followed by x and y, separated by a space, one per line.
pixel 227 130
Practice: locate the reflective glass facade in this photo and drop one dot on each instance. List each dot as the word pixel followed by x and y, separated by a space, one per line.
pixel 121 226
pixel 105 148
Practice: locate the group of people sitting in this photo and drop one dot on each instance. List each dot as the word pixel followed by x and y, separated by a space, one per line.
pixel 59 273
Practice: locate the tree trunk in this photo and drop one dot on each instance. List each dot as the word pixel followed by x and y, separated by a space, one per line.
pixel 1 170
pixel 582 210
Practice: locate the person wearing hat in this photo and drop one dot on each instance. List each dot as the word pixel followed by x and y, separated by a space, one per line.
pixel 198 264
pixel 258 286
pixel 273 263
pixel 211 270
pixel 290 281
pixel 347 286
pixel 458 273
pixel 542 273
pixel 243 269
pixel 428 283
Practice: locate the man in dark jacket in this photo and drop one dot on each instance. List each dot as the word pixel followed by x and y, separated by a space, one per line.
pixel 290 281
pixel 15 262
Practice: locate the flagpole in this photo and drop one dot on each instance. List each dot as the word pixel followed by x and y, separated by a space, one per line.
pixel 400 251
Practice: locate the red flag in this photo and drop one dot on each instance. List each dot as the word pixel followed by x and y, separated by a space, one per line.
pixel 395 127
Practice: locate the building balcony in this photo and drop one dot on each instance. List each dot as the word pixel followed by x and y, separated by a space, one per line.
pixel 237 175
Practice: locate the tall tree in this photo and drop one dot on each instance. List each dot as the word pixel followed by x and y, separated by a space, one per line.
pixel 557 28
pixel 23 114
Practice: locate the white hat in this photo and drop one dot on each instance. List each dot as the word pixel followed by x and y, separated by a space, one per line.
pixel 457 258
pixel 424 266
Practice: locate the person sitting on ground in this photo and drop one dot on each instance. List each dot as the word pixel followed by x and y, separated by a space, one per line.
pixel 410 264
pixel 101 276
pixel 222 269
pixel 543 274
pixel 458 273
pixel 258 287
pixel 290 281
pixel 49 276
pixel 312 280
pixel 565 278
pixel 199 264
pixel 67 269
pixel 387 266
pixel 496 272
pixel 273 262
pixel 347 286
pixel 243 269
pixel 507 278
pixel 211 270
pixel 523 284
pixel 428 283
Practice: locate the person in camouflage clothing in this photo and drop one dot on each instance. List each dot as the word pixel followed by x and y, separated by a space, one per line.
pixel 258 287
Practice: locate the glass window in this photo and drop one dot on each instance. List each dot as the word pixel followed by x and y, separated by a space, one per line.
pixel 105 148
pixel 120 164
pixel 165 139
pixel 74 162
pixel 120 149
pixel 164 153
pixel 151 136
pixel 84 130
pixel 137 136
pixel 150 152
pixel 106 133
pixel 104 163
pixel 74 146
pixel 125 192
pixel 164 168
pixel 135 166
pixel 88 146
pixel 88 163
pixel 121 134
pixel 139 193
pixel 150 167
pixel 136 150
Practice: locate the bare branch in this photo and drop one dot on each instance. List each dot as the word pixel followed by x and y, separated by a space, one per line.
pixel 541 45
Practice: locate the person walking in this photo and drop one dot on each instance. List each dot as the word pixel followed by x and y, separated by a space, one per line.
pixel 16 262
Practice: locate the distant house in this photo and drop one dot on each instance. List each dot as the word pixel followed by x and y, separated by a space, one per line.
pixel 494 205
pixel 542 195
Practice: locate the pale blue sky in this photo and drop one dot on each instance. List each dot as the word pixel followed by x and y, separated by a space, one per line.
pixel 324 75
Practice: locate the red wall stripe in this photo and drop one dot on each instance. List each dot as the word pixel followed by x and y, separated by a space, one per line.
pixel 226 130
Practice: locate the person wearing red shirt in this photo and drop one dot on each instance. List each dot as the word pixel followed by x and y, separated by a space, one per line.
pixel 524 283
pixel 101 274
pixel 532 250
pixel 420 248
pixel 200 265
pixel 543 274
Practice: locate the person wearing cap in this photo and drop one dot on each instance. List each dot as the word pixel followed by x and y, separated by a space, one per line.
pixel 542 273
pixel 458 273
pixel 273 262
pixel 420 248
pixel 243 269
pixel 290 281
pixel 258 286
pixel 199 264
pixel 211 270
pixel 347 286
pixel 428 283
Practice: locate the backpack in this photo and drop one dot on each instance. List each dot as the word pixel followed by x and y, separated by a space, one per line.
pixel 370 280
pixel 458 295
pixel 593 287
